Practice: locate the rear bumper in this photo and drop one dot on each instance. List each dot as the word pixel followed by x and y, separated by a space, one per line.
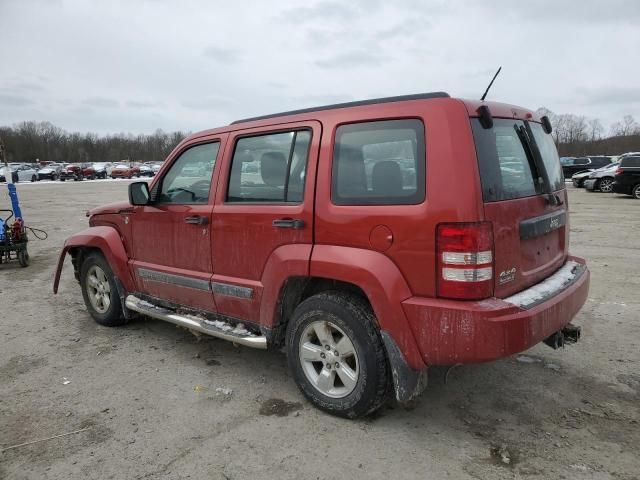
pixel 449 332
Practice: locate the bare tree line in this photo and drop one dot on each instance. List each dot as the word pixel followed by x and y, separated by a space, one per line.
pixel 574 135
pixel 577 135
pixel 32 141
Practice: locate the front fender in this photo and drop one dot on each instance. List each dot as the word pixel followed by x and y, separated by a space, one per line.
pixel 108 241
pixel 383 284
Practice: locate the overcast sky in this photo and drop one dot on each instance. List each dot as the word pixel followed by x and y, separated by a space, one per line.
pixel 139 65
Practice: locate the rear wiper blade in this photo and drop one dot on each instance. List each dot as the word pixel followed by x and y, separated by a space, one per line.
pixel 528 150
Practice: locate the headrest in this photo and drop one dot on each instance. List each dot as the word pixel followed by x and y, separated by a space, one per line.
pixel 386 178
pixel 273 167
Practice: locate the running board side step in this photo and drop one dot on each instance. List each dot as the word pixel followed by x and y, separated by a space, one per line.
pixel 217 329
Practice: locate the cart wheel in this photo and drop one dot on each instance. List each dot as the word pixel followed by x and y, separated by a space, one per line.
pixel 23 258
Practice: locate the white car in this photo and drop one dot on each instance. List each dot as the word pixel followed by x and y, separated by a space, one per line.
pixel 103 169
pixel 49 172
pixel 20 172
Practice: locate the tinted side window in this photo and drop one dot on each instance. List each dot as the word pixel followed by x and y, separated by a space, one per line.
pixel 633 162
pixel 269 168
pixel 379 163
pixel 189 179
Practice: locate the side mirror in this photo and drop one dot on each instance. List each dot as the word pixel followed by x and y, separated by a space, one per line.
pixel 139 193
pixel 546 124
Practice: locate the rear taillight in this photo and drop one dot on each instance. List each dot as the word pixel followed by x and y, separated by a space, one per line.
pixel 465 260
pixel 619 171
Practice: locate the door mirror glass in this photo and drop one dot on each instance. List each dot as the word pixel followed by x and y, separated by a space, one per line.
pixel 139 193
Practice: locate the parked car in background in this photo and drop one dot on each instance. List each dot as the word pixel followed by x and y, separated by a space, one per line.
pixel 571 166
pixel 580 179
pixel 156 166
pixel 73 171
pixel 102 169
pixel 8 172
pixel 600 179
pixel 20 172
pixel 627 177
pixel 122 170
pixel 50 172
pixel 146 171
pixel 333 251
pixel 88 171
pixel 24 172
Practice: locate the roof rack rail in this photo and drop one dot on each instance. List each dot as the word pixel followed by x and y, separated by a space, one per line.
pixel 373 101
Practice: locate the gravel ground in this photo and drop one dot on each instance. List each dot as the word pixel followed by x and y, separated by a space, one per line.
pixel 153 401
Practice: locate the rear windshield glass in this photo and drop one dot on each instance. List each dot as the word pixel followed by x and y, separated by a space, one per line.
pixel 630 162
pixel 509 166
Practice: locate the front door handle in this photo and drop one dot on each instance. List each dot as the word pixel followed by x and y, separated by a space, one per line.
pixel 196 220
pixel 294 223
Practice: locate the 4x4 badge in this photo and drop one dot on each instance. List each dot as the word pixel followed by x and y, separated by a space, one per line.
pixel 507 276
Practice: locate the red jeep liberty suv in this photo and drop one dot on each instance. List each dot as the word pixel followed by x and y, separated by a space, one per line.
pixel 372 239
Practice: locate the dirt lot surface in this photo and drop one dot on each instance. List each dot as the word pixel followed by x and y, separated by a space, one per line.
pixel 156 402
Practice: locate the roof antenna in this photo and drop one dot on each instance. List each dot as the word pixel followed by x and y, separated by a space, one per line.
pixel 492 80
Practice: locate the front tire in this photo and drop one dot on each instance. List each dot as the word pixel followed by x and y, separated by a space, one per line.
pixel 336 355
pixel 636 192
pixel 100 292
pixel 33 178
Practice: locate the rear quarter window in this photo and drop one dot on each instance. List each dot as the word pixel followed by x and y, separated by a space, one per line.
pixel 630 162
pixel 379 163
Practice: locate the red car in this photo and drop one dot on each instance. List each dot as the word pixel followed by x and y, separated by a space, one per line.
pixel 122 170
pixel 71 171
pixel 371 239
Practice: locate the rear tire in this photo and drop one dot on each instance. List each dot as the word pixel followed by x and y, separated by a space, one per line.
pixel 605 185
pixel 100 292
pixel 351 383
pixel 33 178
pixel 636 192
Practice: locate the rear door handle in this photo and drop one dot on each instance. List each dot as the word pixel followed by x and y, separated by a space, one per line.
pixel 294 223
pixel 196 220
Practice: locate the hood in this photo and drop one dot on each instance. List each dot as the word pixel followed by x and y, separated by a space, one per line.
pixel 583 174
pixel 109 208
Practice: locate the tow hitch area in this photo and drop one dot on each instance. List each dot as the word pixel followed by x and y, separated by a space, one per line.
pixel 569 334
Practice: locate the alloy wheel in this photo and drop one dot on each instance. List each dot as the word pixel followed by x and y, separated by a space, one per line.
pixel 329 359
pixel 98 289
pixel 606 185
